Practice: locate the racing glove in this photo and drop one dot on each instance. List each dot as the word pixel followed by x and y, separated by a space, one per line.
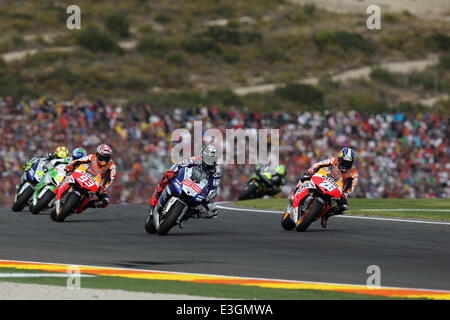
pixel 69 168
pixel 27 165
pixel 104 201
pixel 306 176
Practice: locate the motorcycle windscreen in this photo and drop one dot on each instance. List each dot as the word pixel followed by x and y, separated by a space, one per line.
pixel 194 183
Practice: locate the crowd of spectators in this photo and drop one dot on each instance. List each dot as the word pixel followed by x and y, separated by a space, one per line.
pixel 399 155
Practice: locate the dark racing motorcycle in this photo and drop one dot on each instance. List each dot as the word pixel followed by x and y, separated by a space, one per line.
pixel 266 181
pixel 185 192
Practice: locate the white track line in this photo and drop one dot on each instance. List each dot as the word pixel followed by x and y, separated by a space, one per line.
pixel 344 216
pixel 222 276
pixel 42 275
pixel 399 210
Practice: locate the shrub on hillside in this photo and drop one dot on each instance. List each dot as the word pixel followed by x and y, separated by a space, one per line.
pixel 94 39
pixel 444 62
pixel 229 57
pixel 176 59
pixel 209 40
pixel 200 43
pixel 118 24
pixel 163 18
pixel 153 47
pixel 384 75
pixel 309 9
pixel 14 86
pixel 440 41
pixel 343 39
pixel 224 97
pixel 301 93
pixel 364 102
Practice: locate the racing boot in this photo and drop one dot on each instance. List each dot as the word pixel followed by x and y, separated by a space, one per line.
pixel 324 220
pixel 337 210
pixel 84 205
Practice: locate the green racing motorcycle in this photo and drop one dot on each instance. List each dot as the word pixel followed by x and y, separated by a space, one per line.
pixel 44 195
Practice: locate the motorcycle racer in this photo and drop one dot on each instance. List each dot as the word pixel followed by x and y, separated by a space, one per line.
pixel 207 162
pixel 276 181
pixel 77 153
pixel 100 162
pixel 60 155
pixel 60 152
pixel 344 162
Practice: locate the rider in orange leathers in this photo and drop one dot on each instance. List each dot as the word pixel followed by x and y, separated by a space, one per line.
pixel 344 162
pixel 100 163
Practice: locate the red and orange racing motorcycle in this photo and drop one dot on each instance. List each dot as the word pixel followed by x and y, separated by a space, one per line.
pixel 313 199
pixel 82 182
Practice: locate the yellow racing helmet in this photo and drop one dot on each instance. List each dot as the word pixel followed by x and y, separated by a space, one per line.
pixel 62 152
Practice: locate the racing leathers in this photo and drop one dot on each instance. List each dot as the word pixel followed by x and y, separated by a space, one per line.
pixel 207 209
pixel 107 172
pixel 274 183
pixel 350 180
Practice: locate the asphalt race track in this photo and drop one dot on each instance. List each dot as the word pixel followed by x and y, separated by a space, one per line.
pixel 237 243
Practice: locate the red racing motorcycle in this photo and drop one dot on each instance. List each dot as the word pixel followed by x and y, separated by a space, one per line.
pixel 81 183
pixel 313 199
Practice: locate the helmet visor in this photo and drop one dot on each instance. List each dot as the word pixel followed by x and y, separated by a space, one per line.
pixel 346 165
pixel 61 154
pixel 103 159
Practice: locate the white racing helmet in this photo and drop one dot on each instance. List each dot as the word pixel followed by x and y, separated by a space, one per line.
pixel 209 157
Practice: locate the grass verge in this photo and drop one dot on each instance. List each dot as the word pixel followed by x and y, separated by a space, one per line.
pixel 388 207
pixel 189 288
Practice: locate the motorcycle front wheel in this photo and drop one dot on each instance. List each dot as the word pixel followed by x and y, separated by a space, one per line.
pixel 311 213
pixel 67 208
pixel 150 225
pixel 170 219
pixel 22 199
pixel 43 202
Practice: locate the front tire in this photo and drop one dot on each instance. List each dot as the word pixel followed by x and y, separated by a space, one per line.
pixel 43 202
pixel 171 218
pixel 249 193
pixel 150 225
pixel 68 207
pixel 312 212
pixel 22 199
